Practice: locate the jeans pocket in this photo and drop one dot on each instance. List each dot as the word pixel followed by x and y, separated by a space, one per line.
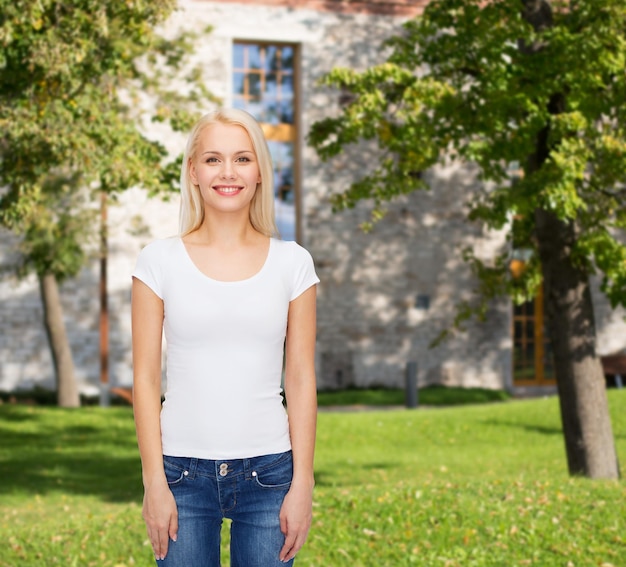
pixel 175 470
pixel 277 475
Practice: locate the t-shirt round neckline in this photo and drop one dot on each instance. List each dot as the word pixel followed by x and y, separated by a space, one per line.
pixel 226 282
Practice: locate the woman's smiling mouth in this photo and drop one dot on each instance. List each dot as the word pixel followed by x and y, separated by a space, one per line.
pixel 228 189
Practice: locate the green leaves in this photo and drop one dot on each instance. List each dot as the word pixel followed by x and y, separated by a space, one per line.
pixel 74 81
pixel 476 82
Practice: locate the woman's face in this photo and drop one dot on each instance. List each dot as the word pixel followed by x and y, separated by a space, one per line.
pixel 225 168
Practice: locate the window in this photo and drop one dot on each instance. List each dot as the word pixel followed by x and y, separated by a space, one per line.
pixel 264 86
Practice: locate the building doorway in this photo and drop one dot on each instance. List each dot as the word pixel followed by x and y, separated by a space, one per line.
pixel 532 355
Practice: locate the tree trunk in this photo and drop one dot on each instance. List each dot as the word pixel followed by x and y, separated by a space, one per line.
pixel 585 414
pixel 580 381
pixel 67 389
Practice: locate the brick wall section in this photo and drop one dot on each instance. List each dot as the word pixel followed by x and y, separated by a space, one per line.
pixel 384 7
pixel 371 316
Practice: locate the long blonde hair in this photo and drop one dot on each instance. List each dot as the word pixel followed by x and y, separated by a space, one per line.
pixel 262 206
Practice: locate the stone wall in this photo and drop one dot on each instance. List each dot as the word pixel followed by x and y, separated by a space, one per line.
pixel 386 295
pixel 383 296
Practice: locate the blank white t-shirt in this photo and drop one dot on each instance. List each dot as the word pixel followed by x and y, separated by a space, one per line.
pixel 225 345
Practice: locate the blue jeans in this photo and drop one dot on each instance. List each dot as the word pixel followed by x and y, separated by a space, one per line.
pixel 250 492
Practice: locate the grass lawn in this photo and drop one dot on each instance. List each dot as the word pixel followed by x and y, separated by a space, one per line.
pixel 465 486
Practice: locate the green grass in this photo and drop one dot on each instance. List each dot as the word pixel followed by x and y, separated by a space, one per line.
pixel 467 486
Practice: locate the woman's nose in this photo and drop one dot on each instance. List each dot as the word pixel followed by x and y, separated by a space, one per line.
pixel 228 170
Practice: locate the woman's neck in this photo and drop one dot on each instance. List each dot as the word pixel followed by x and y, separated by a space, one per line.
pixel 225 231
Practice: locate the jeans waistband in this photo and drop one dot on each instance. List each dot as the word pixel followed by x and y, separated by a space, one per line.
pixel 224 469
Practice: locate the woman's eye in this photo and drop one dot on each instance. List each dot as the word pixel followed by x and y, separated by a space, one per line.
pixel 211 160
pixel 243 159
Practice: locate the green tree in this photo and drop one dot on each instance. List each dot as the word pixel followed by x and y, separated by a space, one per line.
pixel 78 80
pixel 540 84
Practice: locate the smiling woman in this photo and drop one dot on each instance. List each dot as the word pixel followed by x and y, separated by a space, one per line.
pixel 234 303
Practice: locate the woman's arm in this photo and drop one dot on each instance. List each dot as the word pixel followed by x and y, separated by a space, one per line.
pixel 301 395
pixel 159 507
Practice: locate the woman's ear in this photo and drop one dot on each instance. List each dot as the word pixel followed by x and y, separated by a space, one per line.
pixel 192 172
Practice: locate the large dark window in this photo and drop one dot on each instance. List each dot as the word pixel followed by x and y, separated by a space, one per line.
pixel 263 85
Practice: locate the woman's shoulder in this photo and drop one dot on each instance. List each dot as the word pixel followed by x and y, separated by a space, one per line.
pixel 288 247
pixel 291 252
pixel 160 248
pixel 162 244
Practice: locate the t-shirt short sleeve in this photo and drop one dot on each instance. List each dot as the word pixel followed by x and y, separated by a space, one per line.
pixel 304 275
pixel 148 268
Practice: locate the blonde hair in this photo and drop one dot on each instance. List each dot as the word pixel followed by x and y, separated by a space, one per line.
pixel 262 206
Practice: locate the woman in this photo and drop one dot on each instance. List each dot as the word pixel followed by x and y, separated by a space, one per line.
pixel 234 303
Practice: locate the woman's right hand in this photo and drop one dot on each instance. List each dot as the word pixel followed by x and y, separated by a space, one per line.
pixel 161 516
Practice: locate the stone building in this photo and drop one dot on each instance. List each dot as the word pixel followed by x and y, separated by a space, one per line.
pixel 383 296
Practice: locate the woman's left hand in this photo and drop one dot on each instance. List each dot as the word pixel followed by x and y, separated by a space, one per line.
pixel 295 520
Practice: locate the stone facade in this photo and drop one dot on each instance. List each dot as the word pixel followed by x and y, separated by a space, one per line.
pixel 383 296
